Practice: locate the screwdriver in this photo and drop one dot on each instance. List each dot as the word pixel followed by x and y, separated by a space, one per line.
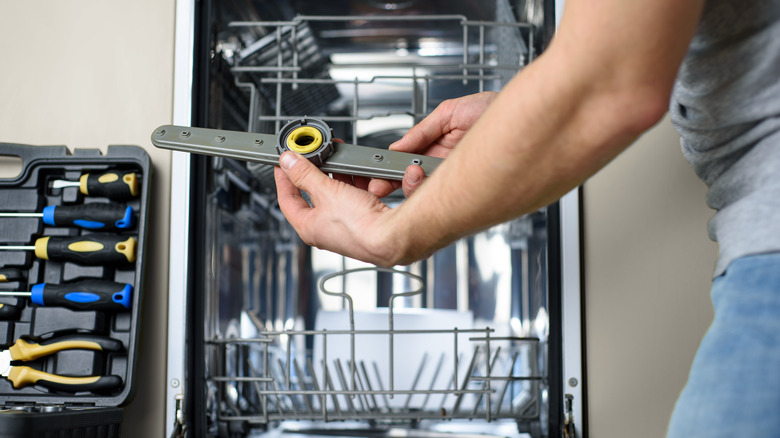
pixel 111 184
pixel 9 312
pixel 93 249
pixel 95 216
pixel 11 274
pixel 80 295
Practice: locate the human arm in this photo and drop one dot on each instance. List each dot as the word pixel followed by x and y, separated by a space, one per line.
pixel 436 135
pixel 604 80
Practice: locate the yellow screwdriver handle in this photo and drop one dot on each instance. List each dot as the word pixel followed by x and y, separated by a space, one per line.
pixel 90 249
pixel 111 184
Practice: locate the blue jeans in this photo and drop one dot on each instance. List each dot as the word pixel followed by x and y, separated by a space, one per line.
pixel 734 386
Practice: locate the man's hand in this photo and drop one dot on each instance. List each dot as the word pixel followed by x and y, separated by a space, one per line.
pixel 436 136
pixel 342 218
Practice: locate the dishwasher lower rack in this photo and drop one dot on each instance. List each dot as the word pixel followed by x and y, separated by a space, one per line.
pixel 407 376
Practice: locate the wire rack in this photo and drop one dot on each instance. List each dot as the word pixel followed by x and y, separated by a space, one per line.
pixel 266 379
pixel 288 74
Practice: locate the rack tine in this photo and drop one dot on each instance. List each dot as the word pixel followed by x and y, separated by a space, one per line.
pixel 256 384
pixel 323 397
pixel 289 361
pixel 278 400
pixel 381 388
pixel 368 384
pixel 273 388
pixel 466 380
pixel 507 383
pixel 287 384
pixel 485 382
pixel 362 396
pixel 302 385
pixel 416 379
pixel 456 357
pixel 329 384
pixel 452 381
pixel 269 373
pixel 488 369
pixel 390 314
pixel 343 380
pixel 266 365
pixel 433 381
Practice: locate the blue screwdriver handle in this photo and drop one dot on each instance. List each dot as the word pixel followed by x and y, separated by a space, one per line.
pixel 84 295
pixel 94 216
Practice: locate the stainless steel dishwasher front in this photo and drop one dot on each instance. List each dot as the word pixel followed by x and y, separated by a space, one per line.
pixel 268 336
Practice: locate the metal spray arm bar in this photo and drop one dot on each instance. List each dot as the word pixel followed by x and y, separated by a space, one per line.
pixel 346 159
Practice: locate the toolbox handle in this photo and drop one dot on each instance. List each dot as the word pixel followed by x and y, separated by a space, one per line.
pixel 28 154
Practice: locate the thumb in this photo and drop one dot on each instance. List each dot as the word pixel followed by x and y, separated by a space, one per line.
pixel 413 177
pixel 302 173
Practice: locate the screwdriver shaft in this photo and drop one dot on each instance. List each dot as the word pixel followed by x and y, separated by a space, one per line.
pixel 17 248
pixel 21 214
pixel 61 183
pixel 15 294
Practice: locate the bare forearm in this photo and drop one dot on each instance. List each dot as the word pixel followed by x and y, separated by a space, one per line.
pixel 549 130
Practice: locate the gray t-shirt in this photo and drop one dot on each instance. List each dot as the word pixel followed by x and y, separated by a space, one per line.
pixel 726 107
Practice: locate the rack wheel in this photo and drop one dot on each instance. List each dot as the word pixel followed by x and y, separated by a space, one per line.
pixel 307 136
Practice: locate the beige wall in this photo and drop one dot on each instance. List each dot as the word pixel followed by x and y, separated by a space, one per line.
pixel 86 74
pixel 648 264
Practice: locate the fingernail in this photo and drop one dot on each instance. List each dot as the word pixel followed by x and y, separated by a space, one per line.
pixel 287 160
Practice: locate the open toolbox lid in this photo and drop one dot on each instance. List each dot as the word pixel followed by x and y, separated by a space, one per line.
pixel 31 191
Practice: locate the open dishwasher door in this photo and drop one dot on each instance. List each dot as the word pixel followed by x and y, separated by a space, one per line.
pixel 268 336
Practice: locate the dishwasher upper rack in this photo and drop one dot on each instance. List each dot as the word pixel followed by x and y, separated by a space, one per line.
pixel 261 379
pixel 287 57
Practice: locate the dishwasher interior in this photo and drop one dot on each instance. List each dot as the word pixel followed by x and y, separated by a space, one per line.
pixel 285 339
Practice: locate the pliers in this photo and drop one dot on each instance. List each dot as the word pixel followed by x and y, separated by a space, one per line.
pixel 24 350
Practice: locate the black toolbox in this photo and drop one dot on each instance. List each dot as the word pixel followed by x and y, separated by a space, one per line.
pixel 101 344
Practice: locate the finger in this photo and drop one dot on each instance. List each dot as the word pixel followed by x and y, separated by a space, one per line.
pixel 413 177
pixel 293 205
pixel 304 175
pixel 382 187
pixel 362 182
pixel 347 179
pixel 426 132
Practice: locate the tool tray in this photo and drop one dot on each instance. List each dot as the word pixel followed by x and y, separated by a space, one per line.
pixel 24 410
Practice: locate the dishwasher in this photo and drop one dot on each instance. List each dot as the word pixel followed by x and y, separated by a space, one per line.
pixel 270 337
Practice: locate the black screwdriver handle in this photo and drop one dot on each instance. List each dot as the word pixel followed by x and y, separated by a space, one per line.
pixel 96 216
pixel 93 249
pixel 9 312
pixel 84 295
pixel 112 184
pixel 11 274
